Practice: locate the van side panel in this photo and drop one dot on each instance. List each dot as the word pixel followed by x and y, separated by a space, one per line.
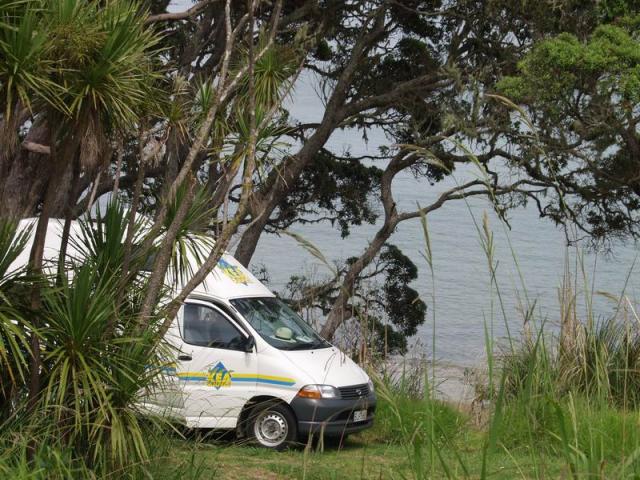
pixel 278 377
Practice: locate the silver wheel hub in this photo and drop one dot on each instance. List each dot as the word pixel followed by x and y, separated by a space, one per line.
pixel 270 428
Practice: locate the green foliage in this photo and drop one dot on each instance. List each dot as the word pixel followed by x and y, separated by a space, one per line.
pixel 403 304
pixel 610 10
pixel 14 326
pixel 578 404
pixel 96 367
pixel 334 189
pixel 603 364
pixel 608 65
pixel 388 309
pixel 24 61
pixel 96 361
pixel 580 92
pixel 594 430
pixel 406 412
pixel 192 243
pixel 83 58
pixel 47 462
pixel 117 77
pixel 273 72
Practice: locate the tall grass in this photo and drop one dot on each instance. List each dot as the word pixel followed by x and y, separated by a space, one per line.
pixel 408 410
pixel 571 395
pixel 567 396
pixel 96 362
pixel 424 426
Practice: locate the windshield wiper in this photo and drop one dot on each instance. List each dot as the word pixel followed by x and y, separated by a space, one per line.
pixel 309 345
pixel 299 346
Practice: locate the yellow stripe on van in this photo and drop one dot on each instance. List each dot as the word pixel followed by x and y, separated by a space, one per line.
pixel 240 377
pixel 263 377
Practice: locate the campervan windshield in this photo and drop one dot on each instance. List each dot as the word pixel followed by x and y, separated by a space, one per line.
pixel 280 326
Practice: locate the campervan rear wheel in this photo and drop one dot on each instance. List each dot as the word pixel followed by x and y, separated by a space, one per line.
pixel 273 425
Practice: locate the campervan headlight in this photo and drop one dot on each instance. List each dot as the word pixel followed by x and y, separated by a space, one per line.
pixel 318 391
pixel 371 386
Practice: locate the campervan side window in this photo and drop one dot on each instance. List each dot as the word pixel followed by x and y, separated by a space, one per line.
pixel 207 327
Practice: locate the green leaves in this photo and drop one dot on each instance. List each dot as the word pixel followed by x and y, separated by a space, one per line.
pixel 111 74
pixel 96 366
pixel 192 244
pixel 581 93
pixel 100 241
pixel 13 325
pixel 24 60
pixel 564 65
pixel 80 57
pixel 96 361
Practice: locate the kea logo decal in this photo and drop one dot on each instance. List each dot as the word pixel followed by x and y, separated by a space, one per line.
pixel 233 272
pixel 218 376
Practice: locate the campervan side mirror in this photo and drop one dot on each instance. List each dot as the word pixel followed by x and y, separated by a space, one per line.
pixel 249 344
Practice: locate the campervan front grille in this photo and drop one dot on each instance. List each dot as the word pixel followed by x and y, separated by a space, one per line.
pixel 354 391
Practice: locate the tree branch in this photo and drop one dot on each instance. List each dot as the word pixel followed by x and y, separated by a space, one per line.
pixel 36 147
pixel 175 16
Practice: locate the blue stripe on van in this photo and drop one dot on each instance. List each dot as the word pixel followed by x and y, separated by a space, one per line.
pixel 193 379
pixel 245 379
pixel 262 380
pixel 240 377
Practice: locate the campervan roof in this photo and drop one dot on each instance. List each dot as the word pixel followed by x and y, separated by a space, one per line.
pixel 228 280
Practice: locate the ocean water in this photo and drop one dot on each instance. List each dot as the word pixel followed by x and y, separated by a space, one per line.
pixel 533 249
pixel 465 303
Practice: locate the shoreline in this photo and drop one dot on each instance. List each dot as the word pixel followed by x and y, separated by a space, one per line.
pixel 455 384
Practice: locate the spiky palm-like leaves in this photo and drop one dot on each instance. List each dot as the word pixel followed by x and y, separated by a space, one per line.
pixel 96 363
pixel 192 243
pixel 86 70
pixel 100 241
pixel 96 367
pixel 13 324
pixel 106 69
pixel 86 67
pixel 24 57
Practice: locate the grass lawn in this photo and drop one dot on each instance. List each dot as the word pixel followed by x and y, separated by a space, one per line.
pixel 534 436
pixel 363 456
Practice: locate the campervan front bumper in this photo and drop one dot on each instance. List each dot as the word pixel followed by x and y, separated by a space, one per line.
pixel 333 416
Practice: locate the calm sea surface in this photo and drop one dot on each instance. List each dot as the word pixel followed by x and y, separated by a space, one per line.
pixel 464 300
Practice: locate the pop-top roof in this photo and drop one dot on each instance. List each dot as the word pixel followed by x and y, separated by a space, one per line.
pixel 228 280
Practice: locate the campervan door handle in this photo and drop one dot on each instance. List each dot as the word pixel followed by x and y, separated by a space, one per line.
pixel 185 358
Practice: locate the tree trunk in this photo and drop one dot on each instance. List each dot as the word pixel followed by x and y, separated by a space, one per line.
pixel 278 185
pixel 68 217
pixel 338 313
pixel 23 179
pixel 53 195
pixel 249 241
pixel 35 267
pixel 281 179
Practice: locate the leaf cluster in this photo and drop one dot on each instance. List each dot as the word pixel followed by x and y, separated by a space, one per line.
pixel 97 362
pixel 582 96
pixel 79 59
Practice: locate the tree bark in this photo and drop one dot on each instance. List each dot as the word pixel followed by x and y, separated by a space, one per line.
pixel 338 313
pixel 280 180
pixel 23 181
pixel 35 268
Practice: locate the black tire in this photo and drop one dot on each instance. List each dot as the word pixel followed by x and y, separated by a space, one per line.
pixel 272 425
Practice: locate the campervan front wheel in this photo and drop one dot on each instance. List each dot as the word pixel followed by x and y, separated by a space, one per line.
pixel 273 425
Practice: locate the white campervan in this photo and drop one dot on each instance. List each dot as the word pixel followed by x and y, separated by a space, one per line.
pixel 246 361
